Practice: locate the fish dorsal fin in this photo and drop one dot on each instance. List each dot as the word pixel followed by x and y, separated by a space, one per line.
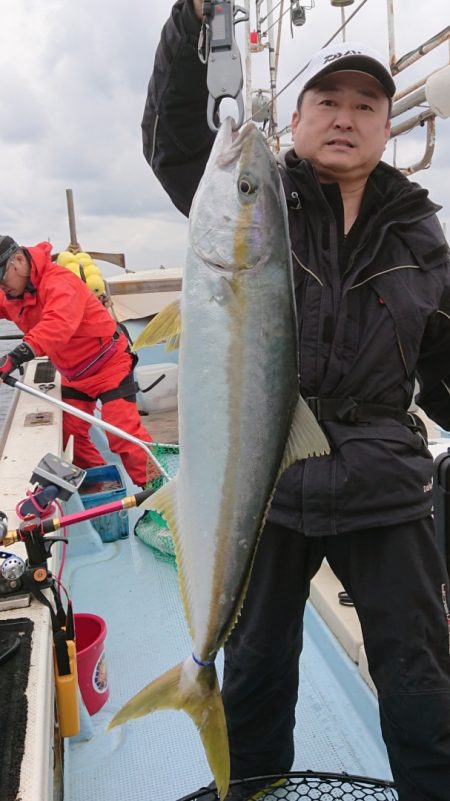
pixel 306 437
pixel 164 501
pixel 164 327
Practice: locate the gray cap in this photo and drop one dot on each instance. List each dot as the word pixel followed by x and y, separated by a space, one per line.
pixel 8 247
pixel 351 56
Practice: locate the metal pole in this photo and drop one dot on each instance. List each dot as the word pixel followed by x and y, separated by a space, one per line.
pixel 273 125
pixel 391 32
pixel 278 45
pixel 408 102
pixel 95 421
pixel 248 64
pixel 72 228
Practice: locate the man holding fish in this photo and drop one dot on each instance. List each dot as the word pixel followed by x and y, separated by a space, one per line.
pixel 371 275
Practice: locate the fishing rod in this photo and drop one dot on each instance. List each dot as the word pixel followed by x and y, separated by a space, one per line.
pixel 31 531
pixel 95 421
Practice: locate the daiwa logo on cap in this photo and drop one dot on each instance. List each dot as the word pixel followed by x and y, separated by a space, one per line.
pixel 333 56
pixel 351 56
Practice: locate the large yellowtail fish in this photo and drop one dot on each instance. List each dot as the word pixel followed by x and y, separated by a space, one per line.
pixel 241 419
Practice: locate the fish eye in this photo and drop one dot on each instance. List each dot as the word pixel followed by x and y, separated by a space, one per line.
pixel 247 185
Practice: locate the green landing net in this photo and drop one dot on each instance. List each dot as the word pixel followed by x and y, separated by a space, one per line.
pixel 151 528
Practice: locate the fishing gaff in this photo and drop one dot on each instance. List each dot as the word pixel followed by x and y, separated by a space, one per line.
pixel 95 421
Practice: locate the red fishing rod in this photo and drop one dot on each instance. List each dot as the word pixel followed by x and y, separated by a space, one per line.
pixel 33 527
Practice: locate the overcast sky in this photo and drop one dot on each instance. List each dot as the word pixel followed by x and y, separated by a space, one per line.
pixel 73 81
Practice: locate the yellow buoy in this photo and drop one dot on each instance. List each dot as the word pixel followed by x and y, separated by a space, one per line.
pixel 65 257
pixel 74 267
pixel 82 257
pixel 91 269
pixel 96 284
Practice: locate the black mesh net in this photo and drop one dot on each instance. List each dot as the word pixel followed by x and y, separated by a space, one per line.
pixel 306 785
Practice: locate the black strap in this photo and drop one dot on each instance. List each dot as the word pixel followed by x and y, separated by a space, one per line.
pixel 57 619
pixel 352 410
pixel 75 394
pixel 127 389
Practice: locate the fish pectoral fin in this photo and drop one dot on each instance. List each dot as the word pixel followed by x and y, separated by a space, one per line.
pixel 306 437
pixel 221 290
pixel 196 691
pixel 164 327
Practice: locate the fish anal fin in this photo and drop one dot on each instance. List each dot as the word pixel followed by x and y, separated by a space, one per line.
pixel 164 501
pixel 306 437
pixel 195 691
pixel 164 327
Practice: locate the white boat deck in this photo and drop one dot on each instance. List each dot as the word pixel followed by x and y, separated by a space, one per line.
pixel 23 449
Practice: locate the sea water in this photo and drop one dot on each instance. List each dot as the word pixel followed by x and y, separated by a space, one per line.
pixel 6 393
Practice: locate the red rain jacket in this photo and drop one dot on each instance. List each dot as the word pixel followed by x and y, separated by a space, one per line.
pixel 62 317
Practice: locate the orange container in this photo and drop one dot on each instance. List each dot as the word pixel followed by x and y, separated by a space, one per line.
pixel 90 634
pixel 66 695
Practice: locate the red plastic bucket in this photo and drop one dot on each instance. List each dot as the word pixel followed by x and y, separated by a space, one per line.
pixel 90 633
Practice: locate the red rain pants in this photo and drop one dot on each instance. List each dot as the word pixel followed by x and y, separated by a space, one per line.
pixel 121 413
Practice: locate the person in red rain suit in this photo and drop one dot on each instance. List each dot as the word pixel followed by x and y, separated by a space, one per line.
pixel 62 319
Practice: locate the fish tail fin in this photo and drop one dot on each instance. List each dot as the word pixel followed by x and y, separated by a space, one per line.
pixel 196 691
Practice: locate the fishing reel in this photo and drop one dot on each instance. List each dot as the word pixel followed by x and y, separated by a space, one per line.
pixel 19 575
pixel 12 569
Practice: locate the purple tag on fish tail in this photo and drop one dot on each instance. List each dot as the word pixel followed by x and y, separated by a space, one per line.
pixel 200 661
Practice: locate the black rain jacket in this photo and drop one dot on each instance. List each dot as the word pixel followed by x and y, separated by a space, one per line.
pixel 372 319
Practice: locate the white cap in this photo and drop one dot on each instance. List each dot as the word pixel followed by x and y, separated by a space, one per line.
pixel 351 56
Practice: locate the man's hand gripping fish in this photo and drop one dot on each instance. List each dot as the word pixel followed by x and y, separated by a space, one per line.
pixel 242 421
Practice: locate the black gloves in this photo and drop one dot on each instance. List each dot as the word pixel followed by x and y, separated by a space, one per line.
pixel 9 362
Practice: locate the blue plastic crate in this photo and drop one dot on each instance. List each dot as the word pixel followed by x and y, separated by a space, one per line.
pixel 95 490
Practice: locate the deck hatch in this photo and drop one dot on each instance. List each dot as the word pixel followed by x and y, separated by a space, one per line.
pixel 44 373
pixel 39 419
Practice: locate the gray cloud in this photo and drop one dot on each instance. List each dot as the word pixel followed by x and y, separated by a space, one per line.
pixel 73 80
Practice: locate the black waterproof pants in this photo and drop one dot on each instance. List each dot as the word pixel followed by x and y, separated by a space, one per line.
pixel 398 582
